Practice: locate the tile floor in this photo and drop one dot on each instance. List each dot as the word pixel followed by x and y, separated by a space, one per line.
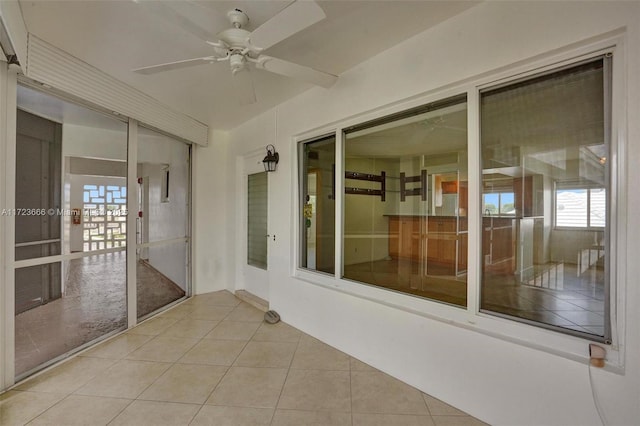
pixel 212 361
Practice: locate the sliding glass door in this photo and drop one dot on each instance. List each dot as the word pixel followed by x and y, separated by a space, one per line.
pixel 72 216
pixel 163 221
pixel 70 213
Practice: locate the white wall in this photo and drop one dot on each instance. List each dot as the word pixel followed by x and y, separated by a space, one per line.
pixel 92 142
pixel 212 250
pixel 498 380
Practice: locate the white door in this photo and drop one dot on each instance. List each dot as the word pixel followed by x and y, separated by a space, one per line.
pixel 254 237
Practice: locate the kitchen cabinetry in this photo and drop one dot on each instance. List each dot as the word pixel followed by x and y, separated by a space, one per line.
pixel 436 242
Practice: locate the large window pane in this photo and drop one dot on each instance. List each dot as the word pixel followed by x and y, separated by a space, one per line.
pixel 405 202
pixel 544 144
pixel 318 204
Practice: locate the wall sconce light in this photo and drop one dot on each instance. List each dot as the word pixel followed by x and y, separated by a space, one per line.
pixel 271 159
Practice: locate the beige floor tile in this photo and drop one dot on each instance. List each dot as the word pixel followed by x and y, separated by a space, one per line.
pixel 213 352
pixel 17 408
pixel 180 311
pixel 279 332
pixel 245 312
pixel 125 379
pixel 153 326
pixel 151 413
pixel 311 418
pixel 439 408
pixel 210 313
pixel 457 421
pixel 118 347
pixel 189 328
pixel 232 416
pixel 266 354
pixel 163 349
pixel 82 410
pixel 368 419
pixel 249 387
pixel 67 377
pixel 376 392
pixel 233 330
pixel 218 298
pixel 315 355
pixel 188 383
pixel 357 365
pixel 316 390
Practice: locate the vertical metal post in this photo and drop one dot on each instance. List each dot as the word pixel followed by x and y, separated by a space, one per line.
pixel 132 210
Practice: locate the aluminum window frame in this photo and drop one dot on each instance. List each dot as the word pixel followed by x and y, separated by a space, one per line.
pixel 552 342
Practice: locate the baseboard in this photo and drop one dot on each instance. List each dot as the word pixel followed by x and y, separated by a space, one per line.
pixel 253 300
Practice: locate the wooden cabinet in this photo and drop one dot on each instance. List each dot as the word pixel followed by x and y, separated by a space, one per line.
pixel 433 241
pixel 498 244
pixel 404 237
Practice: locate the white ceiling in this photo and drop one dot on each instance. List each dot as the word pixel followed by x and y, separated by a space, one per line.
pixel 117 36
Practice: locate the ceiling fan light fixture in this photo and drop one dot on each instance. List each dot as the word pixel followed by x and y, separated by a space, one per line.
pixel 237 61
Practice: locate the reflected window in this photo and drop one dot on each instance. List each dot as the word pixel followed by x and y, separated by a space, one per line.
pixel 544 145
pixel 318 204
pixel 580 207
pixel 405 202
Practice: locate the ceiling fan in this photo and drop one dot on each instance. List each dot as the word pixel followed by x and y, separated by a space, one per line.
pixel 242 48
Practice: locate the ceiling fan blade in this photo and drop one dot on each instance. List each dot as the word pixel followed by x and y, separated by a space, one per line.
pixel 174 65
pixel 295 17
pixel 243 86
pixel 296 71
pixel 178 17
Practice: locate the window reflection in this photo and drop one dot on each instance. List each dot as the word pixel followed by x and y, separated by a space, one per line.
pixel 318 204
pixel 405 202
pixel 544 151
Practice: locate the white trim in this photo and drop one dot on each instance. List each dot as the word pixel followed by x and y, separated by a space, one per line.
pixel 338 198
pixel 3 248
pixel 37 243
pixel 163 242
pixel 56 68
pixel 15 28
pixel 8 115
pixel 557 343
pixel 62 257
pixel 474 218
pixel 132 206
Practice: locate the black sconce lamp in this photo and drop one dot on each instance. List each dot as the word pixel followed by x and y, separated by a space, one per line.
pixel 271 159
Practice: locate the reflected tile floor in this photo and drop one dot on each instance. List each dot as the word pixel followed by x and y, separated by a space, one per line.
pixel 93 304
pixel 212 361
pixel 578 303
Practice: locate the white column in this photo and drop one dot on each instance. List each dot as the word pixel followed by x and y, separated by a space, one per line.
pixel 8 78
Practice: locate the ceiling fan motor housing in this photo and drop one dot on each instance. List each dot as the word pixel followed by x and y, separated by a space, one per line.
pixel 238 18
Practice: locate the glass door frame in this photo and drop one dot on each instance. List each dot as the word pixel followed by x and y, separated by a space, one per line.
pixel 9 82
